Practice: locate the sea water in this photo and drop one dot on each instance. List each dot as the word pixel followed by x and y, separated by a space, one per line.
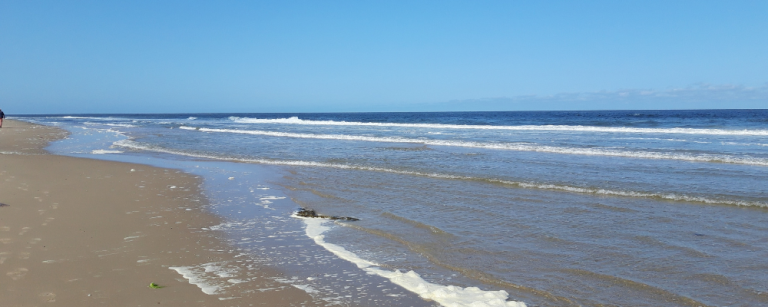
pixel 631 208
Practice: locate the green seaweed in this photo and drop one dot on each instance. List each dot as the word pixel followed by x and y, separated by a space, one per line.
pixel 155 286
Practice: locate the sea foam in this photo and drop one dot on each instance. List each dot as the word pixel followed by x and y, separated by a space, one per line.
pixel 518 184
pixel 195 277
pixel 104 151
pixel 577 128
pixel 708 158
pixel 449 296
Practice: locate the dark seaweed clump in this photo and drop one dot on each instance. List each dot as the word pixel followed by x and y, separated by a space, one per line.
pixel 303 212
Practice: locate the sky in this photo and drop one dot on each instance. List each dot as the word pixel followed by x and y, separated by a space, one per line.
pixel 73 57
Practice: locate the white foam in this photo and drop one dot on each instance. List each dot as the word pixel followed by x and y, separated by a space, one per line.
pixel 520 184
pixel 709 158
pixel 272 197
pixel 306 288
pixel 104 152
pixel 108 124
pixel 744 144
pixel 451 296
pixel 121 125
pixel 218 270
pixel 197 279
pixel 211 278
pixel 296 121
pixel 226 225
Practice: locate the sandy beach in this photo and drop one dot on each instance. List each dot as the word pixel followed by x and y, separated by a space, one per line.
pixel 81 232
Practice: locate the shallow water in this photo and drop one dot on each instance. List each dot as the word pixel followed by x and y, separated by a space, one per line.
pixel 636 208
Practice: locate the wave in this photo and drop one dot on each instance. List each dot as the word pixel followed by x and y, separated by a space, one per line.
pixel 517 184
pixel 662 139
pixel 744 144
pixel 297 121
pixel 111 125
pixel 417 224
pixel 636 285
pixel 16 153
pixel 105 151
pixel 95 118
pixel 412 281
pixel 507 146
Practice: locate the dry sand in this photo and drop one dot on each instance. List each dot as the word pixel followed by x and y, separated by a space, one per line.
pixel 82 232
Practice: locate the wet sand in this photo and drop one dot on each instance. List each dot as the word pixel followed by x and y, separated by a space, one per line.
pixel 82 232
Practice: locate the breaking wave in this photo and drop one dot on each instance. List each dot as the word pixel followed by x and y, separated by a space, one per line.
pixel 508 146
pixel 297 121
pixel 412 281
pixel 517 184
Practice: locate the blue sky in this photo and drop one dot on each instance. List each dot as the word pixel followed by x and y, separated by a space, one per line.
pixel 350 56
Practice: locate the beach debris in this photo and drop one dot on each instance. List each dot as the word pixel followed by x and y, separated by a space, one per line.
pixel 133 170
pixel 4 205
pixel 155 286
pixel 304 212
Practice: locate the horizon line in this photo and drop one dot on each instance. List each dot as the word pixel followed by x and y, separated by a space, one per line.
pixel 467 111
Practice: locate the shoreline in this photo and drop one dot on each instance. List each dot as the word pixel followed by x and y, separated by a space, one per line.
pixel 93 232
pixel 541 246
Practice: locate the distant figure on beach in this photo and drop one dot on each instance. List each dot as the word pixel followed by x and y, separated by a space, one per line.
pixel 2 115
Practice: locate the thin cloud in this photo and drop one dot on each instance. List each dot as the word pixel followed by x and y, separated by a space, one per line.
pixel 694 96
pixel 699 92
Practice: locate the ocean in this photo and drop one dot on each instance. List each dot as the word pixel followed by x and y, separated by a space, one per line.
pixel 590 208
